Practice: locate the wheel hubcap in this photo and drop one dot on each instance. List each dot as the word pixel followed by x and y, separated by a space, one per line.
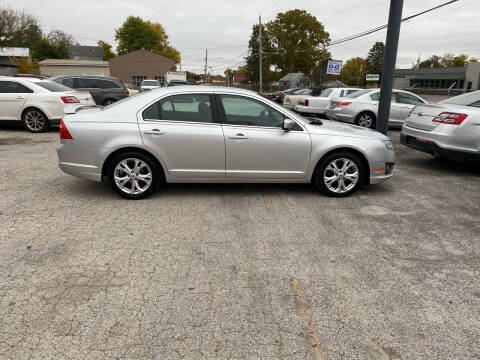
pixel 341 175
pixel 133 176
pixel 34 120
pixel 365 121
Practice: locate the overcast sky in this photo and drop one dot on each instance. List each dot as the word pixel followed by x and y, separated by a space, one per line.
pixel 224 26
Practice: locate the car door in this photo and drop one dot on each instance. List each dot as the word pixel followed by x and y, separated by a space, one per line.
pixel 407 102
pixel 395 108
pixel 91 85
pixel 256 146
pixel 187 135
pixel 12 98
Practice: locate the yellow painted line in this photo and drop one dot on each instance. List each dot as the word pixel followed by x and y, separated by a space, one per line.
pixel 268 202
pixel 307 319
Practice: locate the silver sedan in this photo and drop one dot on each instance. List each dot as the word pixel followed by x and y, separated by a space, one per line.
pixel 216 135
pixel 361 107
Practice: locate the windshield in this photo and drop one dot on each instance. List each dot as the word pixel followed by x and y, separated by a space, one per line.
pixel 150 83
pixel 468 99
pixel 52 86
pixel 359 93
pixel 326 92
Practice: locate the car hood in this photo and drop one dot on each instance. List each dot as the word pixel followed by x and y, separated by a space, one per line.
pixel 341 129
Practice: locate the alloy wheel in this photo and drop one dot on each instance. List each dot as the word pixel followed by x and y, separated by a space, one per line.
pixel 34 120
pixel 341 175
pixel 365 121
pixel 133 176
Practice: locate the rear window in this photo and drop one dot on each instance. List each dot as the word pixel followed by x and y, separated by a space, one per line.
pixel 150 83
pixel 358 93
pixel 468 99
pixel 108 84
pixel 326 92
pixel 52 86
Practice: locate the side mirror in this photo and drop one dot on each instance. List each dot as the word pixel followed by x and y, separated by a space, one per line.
pixel 288 124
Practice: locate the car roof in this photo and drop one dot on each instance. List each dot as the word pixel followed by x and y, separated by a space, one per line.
pixel 84 76
pixel 21 79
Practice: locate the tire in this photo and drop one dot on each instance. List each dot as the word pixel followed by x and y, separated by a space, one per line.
pixel 35 121
pixel 130 183
pixel 342 175
pixel 108 101
pixel 366 119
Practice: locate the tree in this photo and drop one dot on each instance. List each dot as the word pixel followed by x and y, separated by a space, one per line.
pixel 18 28
pixel 353 72
pixel 136 34
pixel 53 46
pixel 297 41
pixel 432 62
pixel 253 57
pixel 192 76
pixel 375 58
pixel 24 65
pixel 107 50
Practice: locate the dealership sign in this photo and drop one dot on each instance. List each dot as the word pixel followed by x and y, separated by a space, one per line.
pixel 334 67
pixel 373 77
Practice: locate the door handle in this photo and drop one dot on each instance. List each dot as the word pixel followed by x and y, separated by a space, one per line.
pixel 238 137
pixel 20 97
pixel 154 132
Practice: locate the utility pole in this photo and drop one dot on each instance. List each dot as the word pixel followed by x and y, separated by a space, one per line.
pixel 206 62
pixel 260 50
pixel 391 47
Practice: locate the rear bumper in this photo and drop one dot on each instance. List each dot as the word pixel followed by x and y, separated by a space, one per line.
pixel 288 106
pixel 430 147
pixel 309 110
pixel 333 114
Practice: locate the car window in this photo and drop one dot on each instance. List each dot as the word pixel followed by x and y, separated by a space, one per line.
pixel 475 104
pixel 108 84
pixel 351 91
pixel 403 98
pixel 342 93
pixel 467 99
pixel 67 82
pixel 241 110
pixel 53 86
pixel 85 83
pixel 375 96
pixel 359 93
pixel 11 87
pixel 185 107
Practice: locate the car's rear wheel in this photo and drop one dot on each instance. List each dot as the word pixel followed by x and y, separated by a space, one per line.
pixel 133 175
pixel 366 119
pixel 35 121
pixel 339 174
pixel 108 102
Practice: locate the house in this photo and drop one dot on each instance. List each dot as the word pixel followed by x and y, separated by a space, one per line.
pixel 293 80
pixel 239 78
pixel 52 67
pixel 6 65
pixel 90 53
pixel 138 65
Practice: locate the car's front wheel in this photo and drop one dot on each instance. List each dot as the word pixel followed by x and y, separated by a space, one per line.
pixel 35 121
pixel 339 174
pixel 133 175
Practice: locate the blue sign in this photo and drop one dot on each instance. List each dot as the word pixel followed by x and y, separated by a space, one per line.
pixel 334 67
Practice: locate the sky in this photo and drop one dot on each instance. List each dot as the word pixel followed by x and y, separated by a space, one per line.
pixel 224 26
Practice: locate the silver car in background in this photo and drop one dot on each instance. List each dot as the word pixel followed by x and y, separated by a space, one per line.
pixel 361 107
pixel 202 134
pixel 449 129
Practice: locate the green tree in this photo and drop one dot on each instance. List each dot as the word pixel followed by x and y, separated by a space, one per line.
pixel 192 76
pixel 253 57
pixel 107 50
pixel 297 41
pixel 375 58
pixel 353 72
pixel 53 46
pixel 18 28
pixel 136 34
pixel 432 62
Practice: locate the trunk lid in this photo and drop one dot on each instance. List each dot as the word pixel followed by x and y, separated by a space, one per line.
pixel 422 115
pixel 84 97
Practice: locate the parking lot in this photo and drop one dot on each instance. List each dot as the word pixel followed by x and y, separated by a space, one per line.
pixel 237 271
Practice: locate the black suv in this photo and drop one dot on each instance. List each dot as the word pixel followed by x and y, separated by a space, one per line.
pixel 105 90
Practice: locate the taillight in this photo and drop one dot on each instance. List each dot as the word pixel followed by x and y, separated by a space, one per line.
pixel 64 133
pixel 70 100
pixel 341 103
pixel 306 102
pixel 450 118
pixel 127 92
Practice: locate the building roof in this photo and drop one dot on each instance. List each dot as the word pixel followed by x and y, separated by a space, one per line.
pixel 14 51
pixel 85 51
pixel 290 76
pixel 431 71
pixel 139 56
pixel 70 62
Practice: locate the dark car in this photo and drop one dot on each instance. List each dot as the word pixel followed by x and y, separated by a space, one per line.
pixel 178 83
pixel 105 90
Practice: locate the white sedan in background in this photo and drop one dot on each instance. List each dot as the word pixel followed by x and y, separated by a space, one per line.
pixel 37 103
pixel 317 105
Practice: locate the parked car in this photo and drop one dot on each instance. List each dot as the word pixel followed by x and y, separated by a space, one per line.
pixel 36 103
pixel 361 107
pixel 289 101
pixel 105 90
pixel 449 129
pixel 178 83
pixel 317 105
pixel 131 90
pixel 217 135
pixel 149 85
pixel 279 95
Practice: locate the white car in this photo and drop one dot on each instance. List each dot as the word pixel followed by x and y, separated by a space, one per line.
pixel 36 103
pixel 131 90
pixel 290 100
pixel 149 85
pixel 318 105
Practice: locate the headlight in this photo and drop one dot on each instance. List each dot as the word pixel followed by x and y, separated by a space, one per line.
pixel 388 144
